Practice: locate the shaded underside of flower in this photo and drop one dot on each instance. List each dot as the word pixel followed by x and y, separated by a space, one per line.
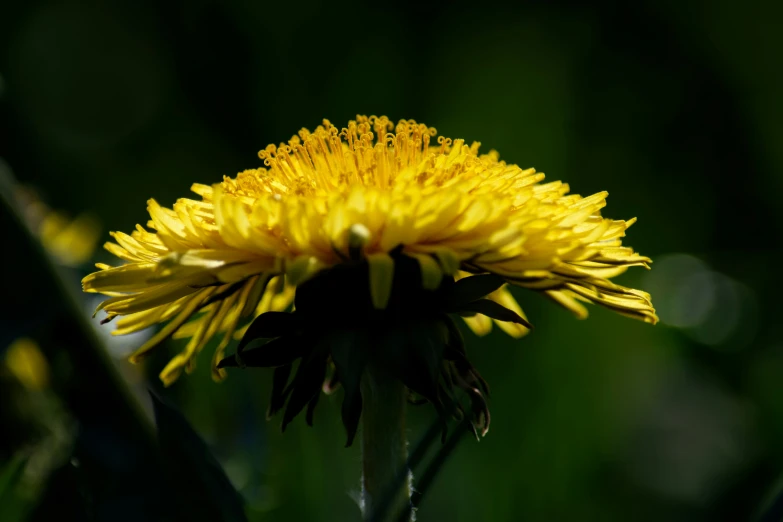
pixel 335 333
pixel 372 193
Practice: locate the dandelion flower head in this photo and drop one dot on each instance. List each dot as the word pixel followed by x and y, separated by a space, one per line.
pixel 374 193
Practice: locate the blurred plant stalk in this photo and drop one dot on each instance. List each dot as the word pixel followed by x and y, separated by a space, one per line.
pixel 50 312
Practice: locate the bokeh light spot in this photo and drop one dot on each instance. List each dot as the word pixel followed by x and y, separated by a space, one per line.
pixel 682 288
pixel 710 307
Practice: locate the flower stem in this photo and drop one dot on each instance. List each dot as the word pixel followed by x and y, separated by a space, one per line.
pixel 384 445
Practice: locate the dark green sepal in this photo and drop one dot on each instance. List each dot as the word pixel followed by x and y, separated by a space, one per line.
pixel 280 389
pixel 445 390
pixel 350 355
pixel 268 326
pixel 416 401
pixel 470 289
pixel 277 352
pixel 332 383
pixel 308 382
pixel 311 409
pixel 413 353
pixel 494 310
pixel 455 343
pixel 336 328
pixel 224 294
pixel 342 291
pixel 465 369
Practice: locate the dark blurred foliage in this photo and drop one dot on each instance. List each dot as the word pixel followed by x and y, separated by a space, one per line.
pixel 673 107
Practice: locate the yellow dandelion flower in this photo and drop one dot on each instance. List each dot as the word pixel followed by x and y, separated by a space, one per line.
pixel 374 199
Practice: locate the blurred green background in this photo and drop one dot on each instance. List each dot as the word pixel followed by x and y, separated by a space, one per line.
pixel 672 107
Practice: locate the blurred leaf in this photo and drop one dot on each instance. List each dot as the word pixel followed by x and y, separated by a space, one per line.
pixel 420 449
pixel 70 493
pixel 427 476
pixel 208 493
pixel 60 327
pixel 11 474
pixel 11 504
pixel 771 509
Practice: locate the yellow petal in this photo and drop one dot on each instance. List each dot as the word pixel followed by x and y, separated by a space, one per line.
pixel 480 324
pixel 503 297
pixel 122 278
pixel 167 330
pixel 567 302
pixel 303 268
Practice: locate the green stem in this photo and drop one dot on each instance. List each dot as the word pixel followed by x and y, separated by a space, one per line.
pixel 384 445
